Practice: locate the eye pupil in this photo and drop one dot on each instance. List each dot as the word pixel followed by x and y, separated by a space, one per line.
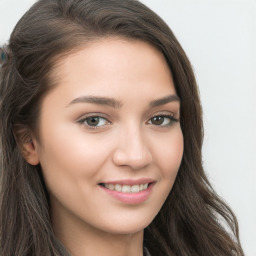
pixel 93 121
pixel 157 120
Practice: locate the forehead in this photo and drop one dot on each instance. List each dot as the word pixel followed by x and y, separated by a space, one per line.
pixel 114 65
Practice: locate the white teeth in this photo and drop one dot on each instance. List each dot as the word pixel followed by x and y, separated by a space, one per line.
pixel 118 187
pixel 135 189
pixel 127 188
pixel 145 186
pixel 111 186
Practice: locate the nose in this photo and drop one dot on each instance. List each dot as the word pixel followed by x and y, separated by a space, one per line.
pixel 132 150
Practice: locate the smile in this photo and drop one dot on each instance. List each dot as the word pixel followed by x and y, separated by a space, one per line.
pixel 126 188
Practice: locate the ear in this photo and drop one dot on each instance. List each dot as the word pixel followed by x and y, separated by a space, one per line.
pixel 27 143
pixel 30 153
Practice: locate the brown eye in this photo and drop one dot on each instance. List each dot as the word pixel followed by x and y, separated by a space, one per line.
pixel 162 120
pixel 94 121
pixel 157 120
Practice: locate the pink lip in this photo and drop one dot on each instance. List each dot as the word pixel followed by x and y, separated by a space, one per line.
pixel 130 198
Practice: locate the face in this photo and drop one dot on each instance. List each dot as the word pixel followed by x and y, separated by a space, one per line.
pixel 110 143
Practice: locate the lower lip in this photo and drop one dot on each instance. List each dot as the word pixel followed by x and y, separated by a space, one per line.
pixel 130 198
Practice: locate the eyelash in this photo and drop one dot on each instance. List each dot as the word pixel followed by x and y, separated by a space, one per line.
pixel 84 121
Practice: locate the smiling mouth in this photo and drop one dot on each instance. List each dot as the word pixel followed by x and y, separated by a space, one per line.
pixel 126 188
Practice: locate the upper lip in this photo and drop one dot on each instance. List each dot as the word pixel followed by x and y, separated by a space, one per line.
pixel 129 181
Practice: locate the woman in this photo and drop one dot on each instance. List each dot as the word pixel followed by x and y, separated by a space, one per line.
pixel 101 132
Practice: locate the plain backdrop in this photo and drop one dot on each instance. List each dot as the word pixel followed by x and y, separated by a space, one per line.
pixel 219 37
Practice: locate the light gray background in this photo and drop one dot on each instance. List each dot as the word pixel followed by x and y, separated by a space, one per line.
pixel 219 37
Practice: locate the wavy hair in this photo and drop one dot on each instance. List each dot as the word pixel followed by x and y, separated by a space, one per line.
pixel 193 220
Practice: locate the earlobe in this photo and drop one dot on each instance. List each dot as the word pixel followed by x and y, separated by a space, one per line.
pixel 27 144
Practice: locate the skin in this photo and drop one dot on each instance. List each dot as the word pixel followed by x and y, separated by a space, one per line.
pixel 127 143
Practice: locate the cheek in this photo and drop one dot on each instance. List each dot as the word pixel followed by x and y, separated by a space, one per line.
pixel 167 159
pixel 69 149
pixel 169 154
pixel 70 161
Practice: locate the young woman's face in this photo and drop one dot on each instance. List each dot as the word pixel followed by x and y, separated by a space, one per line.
pixel 110 143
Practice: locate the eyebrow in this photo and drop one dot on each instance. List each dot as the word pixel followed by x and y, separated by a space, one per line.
pixel 98 100
pixel 118 104
pixel 164 100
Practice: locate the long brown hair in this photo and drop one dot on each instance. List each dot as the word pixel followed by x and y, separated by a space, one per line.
pixel 192 221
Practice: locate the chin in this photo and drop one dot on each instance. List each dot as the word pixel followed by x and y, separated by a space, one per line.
pixel 127 227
